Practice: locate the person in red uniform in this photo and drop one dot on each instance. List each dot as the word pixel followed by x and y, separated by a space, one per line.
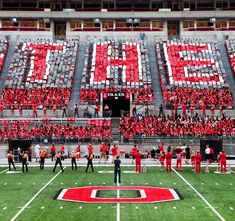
pixel 90 150
pixel 222 158
pixel 168 161
pixel 179 155
pixel 138 161
pixel 162 160
pixel 114 152
pixel 53 151
pixel 133 153
pixel 35 110
pixel 62 148
pixel 78 152
pixel 198 159
pixel 103 149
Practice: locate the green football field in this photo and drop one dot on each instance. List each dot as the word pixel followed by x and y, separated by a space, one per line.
pixel 30 196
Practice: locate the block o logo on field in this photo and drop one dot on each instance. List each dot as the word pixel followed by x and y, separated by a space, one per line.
pixel 147 194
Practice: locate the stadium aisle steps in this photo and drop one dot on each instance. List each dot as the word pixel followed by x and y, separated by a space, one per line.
pixel 7 63
pixel 154 75
pixel 229 73
pixel 75 94
pixel 115 123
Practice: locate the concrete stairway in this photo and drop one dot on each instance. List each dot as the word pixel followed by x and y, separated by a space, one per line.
pixel 115 122
pixel 75 94
pixel 5 69
pixel 229 72
pixel 154 74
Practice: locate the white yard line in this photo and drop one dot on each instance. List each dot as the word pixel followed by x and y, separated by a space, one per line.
pixel 200 195
pixel 118 204
pixel 4 171
pixel 32 199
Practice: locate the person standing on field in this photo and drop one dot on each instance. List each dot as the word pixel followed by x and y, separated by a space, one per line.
pixel 117 170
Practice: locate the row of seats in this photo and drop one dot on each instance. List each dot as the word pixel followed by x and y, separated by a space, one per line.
pixel 230 46
pixel 191 72
pixel 151 126
pixel 39 68
pixel 27 130
pixel 3 51
pixel 114 64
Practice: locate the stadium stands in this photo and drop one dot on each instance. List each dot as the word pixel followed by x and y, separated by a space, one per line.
pixel 153 126
pixel 230 46
pixel 41 73
pixel 116 66
pixel 191 73
pixel 3 51
pixel 56 132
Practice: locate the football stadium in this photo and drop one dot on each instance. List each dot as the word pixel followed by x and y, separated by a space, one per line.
pixel 117 110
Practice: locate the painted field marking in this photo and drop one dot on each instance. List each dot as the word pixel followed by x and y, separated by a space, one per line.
pixel 200 195
pixel 216 184
pixel 42 207
pixel 231 184
pixel 99 207
pixel 32 199
pixel 137 207
pixel 61 207
pixel 231 208
pixel 174 207
pixel 118 204
pixel 4 208
pixel 5 184
pixel 4 171
pixel 193 207
pixel 155 207
pixel 76 183
pixel 80 207
pixel 160 183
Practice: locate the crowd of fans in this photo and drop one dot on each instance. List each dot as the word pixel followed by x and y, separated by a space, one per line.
pixel 230 46
pixel 197 97
pixel 3 51
pixel 140 95
pixel 53 131
pixel 27 98
pixel 41 73
pixel 151 126
pixel 116 66
pixel 191 73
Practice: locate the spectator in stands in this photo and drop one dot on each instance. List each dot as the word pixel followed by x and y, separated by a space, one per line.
pixel 75 113
pixel 64 113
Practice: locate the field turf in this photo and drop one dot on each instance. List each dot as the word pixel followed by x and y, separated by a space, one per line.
pixel 18 189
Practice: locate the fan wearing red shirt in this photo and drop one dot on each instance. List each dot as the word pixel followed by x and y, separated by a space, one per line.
pixel 62 151
pixel 35 110
pixel 90 150
pixel 179 156
pixel 222 158
pixel 168 161
pixel 198 159
pixel 78 152
pixel 133 153
pixel 53 151
pixel 114 152
pixel 138 161
pixel 103 149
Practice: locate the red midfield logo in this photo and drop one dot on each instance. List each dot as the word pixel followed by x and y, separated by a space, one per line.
pixel 146 194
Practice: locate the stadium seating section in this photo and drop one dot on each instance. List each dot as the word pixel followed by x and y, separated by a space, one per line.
pixel 152 126
pixel 41 73
pixel 230 46
pixel 3 51
pixel 55 132
pixel 191 72
pixel 121 66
